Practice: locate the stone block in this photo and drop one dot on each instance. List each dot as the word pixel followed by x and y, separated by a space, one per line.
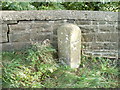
pixel 110 55
pixel 107 37
pixel 88 28
pixel 15 46
pixel 25 37
pixel 20 28
pixel 40 36
pixel 82 22
pixel 41 27
pixel 21 45
pixel 7 47
pixel 112 23
pixel 107 28
pixel 110 46
pixel 3 28
pixel 69 44
pixel 3 37
pixel 97 46
pixel 88 37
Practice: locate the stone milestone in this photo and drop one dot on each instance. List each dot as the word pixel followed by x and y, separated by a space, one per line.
pixel 69 44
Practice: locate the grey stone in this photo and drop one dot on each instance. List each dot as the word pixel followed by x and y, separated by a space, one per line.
pixel 107 37
pixel 3 28
pixel 3 37
pixel 82 22
pixel 69 44
pixel 20 28
pixel 15 46
pixel 25 37
pixel 107 28
pixel 40 36
pixel 88 28
pixel 59 14
pixel 88 37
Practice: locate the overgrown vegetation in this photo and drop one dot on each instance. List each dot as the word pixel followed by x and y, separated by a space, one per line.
pixel 95 6
pixel 38 67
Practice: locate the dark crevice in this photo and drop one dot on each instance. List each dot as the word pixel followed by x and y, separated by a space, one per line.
pixel 12 23
pixel 8 33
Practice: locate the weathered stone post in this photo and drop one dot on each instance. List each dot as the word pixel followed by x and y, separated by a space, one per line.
pixel 69 44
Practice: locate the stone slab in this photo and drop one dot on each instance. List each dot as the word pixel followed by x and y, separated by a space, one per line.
pixel 59 14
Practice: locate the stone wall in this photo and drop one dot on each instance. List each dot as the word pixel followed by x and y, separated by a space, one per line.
pixel 99 29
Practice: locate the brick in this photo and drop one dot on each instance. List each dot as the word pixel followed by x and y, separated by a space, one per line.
pixel 110 55
pixel 97 46
pixel 102 22
pixel 107 28
pixel 82 22
pixel 107 37
pixel 3 37
pixel 96 54
pixel 88 28
pixel 98 22
pixel 110 46
pixel 105 46
pixel 111 23
pixel 88 37
pixel 25 37
pixel 94 22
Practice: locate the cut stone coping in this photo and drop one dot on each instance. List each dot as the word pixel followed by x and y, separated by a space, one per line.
pixel 58 15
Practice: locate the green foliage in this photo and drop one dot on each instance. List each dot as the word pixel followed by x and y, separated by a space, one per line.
pixel 29 68
pixel 111 6
pixel 96 6
pixel 48 6
pixel 38 68
pixel 17 6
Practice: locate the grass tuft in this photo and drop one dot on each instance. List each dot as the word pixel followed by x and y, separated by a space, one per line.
pixel 37 67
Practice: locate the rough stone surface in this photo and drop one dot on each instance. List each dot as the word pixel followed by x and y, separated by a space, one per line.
pixel 58 14
pixel 3 33
pixel 15 46
pixel 3 28
pixel 99 28
pixel 24 37
pixel 69 44
pixel 3 37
